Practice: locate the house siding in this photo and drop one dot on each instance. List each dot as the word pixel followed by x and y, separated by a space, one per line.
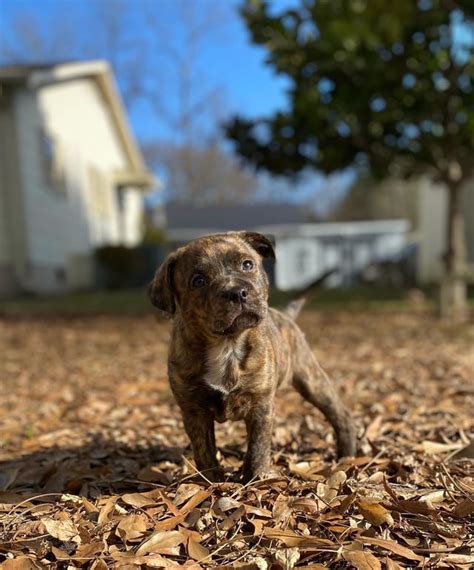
pixel 433 220
pixel 5 249
pixel 468 209
pixel 13 246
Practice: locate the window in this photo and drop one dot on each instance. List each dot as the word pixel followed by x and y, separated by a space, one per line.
pixel 98 193
pixel 53 166
pixel 302 260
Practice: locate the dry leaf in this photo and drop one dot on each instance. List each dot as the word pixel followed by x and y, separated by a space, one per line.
pixel 305 504
pixel 99 564
pixel 373 429
pixel 287 557
pixel 433 497
pixel 230 521
pixel 361 559
pixel 197 551
pixel 464 508
pixel 391 564
pixel 88 550
pixel 224 504
pixel 281 510
pixel 336 480
pixel 292 539
pixel 132 527
pixel 459 560
pixel 393 547
pixel 433 447
pixel 159 541
pixel 20 563
pixel 138 499
pixel 64 530
pixel 106 510
pixel 375 513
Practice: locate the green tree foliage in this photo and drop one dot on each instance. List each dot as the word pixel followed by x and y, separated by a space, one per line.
pixel 385 86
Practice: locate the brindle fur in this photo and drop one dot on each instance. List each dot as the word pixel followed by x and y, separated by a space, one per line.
pixel 228 357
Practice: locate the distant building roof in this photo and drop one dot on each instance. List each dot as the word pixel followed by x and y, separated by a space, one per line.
pixel 231 217
pixel 187 222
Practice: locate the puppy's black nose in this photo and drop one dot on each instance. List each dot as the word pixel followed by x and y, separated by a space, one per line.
pixel 236 294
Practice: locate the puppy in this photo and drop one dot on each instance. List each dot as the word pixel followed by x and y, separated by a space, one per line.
pixel 229 351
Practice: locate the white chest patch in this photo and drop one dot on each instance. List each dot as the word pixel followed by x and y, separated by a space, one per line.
pixel 222 364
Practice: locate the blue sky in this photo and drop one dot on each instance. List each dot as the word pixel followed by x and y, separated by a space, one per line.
pixel 226 59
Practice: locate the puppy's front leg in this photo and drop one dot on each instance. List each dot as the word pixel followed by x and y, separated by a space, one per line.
pixel 200 429
pixel 259 425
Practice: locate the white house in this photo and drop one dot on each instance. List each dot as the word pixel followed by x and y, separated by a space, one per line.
pixel 71 175
pixel 305 251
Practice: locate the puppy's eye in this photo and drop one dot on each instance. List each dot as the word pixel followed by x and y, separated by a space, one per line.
pixel 247 265
pixel 198 281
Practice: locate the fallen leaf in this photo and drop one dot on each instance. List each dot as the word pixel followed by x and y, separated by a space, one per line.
pixel 464 508
pixel 391 564
pixel 138 499
pixel 230 521
pixel 132 527
pixel 160 540
pixel 458 559
pixel 196 500
pixel 287 557
pixel 99 565
pixel 305 505
pixel 224 504
pixel 375 513
pixel 362 559
pixel 292 539
pixel 393 547
pixel 184 492
pixel 197 551
pixel 281 509
pixel 434 447
pixel 106 510
pixel 20 563
pixel 64 530
pixel 433 497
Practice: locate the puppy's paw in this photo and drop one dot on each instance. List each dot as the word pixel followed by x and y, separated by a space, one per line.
pixel 260 474
pixel 215 475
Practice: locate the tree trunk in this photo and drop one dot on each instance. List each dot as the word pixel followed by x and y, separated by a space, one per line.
pixel 453 293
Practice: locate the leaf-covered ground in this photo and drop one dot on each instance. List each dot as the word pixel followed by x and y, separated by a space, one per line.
pixel 95 470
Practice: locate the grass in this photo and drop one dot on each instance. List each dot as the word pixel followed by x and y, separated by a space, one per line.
pixel 135 301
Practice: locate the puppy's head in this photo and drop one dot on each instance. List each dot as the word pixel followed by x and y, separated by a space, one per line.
pixel 217 282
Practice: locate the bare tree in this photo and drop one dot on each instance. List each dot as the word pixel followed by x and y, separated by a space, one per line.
pixel 217 176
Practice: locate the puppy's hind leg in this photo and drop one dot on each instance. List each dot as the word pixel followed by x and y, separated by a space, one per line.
pixel 313 384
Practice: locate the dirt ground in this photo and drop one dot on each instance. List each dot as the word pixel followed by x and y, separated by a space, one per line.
pixel 95 470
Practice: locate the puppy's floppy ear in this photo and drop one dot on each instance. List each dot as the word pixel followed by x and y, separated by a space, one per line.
pixel 264 245
pixel 161 289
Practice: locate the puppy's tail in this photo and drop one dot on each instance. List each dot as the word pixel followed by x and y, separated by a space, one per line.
pixel 293 309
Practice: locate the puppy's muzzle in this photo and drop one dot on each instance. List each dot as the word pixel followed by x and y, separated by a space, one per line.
pixel 236 294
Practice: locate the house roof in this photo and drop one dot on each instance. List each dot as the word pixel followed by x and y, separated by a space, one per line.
pixel 38 75
pixel 184 218
pixel 187 222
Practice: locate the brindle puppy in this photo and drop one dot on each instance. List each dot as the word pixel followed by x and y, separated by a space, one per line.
pixel 229 351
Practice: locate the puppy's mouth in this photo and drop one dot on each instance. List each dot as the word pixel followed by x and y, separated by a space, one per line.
pixel 245 319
